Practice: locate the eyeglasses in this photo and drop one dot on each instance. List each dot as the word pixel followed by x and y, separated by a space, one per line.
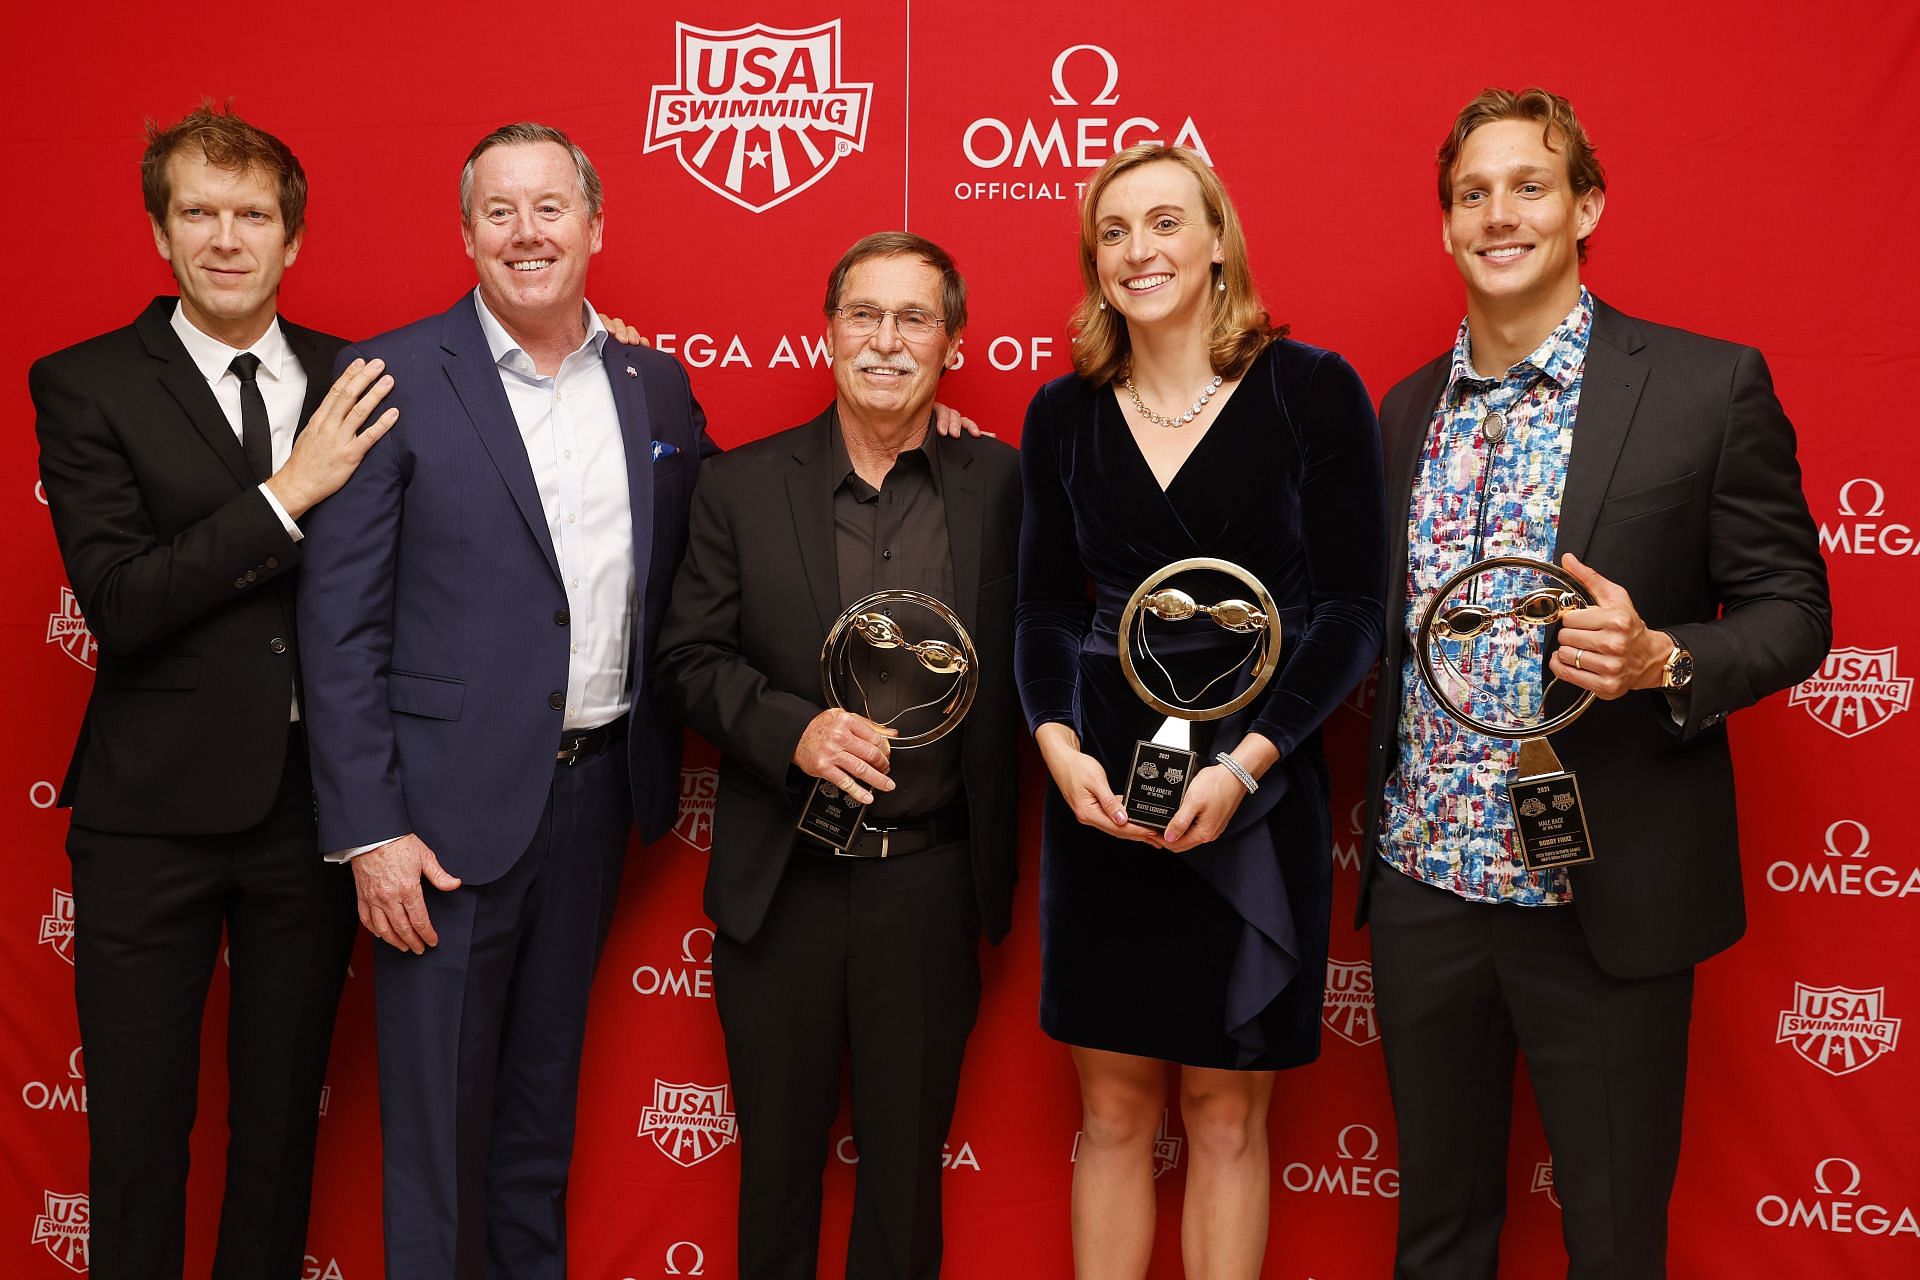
pixel 1174 605
pixel 1539 608
pixel 913 324
pixel 937 656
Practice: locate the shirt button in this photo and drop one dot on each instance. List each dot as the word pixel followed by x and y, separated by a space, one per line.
pixel 572 519
pixel 561 617
pixel 573 648
pixel 277 645
pixel 567 453
pixel 557 701
pixel 886 553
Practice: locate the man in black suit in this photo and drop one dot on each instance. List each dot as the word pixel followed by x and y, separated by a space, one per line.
pixel 1658 468
pixel 872 950
pixel 176 482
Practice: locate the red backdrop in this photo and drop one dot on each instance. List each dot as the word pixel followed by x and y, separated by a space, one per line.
pixel 1762 162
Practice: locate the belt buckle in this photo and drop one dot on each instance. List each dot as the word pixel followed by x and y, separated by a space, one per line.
pixel 571 752
pixel 886 839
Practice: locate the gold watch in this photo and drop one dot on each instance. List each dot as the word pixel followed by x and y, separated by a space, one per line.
pixel 1678 671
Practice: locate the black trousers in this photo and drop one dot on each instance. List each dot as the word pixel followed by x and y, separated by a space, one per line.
pixel 148 917
pixel 878 960
pixel 1459 987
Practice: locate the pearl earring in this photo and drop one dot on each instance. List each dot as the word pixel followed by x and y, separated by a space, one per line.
pixel 1222 286
pixel 1103 304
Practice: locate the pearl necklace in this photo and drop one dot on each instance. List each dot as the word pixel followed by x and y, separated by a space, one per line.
pixel 1175 420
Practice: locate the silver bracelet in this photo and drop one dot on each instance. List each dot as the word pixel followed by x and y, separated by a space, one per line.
pixel 1239 771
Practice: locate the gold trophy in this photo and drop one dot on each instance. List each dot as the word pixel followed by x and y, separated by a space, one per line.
pixel 831 815
pixel 1161 768
pixel 1546 798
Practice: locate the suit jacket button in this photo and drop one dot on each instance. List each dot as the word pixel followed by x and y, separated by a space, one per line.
pixel 240 582
pixel 561 617
pixel 252 574
pixel 277 645
pixel 272 563
pixel 558 701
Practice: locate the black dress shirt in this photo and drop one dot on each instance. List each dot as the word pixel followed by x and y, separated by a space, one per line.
pixel 894 537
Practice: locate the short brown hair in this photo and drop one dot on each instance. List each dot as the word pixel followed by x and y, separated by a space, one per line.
pixel 904 244
pixel 225 142
pixel 1554 115
pixel 1238 326
pixel 526 131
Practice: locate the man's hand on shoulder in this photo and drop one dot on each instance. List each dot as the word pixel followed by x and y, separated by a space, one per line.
pixel 623 332
pixel 336 438
pixel 948 421
pixel 392 907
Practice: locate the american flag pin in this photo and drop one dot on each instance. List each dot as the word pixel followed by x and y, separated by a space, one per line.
pixel 632 372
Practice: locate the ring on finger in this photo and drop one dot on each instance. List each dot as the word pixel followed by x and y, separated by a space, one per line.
pixel 1578 654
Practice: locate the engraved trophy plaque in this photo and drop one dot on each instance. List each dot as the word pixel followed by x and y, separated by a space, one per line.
pixel 1547 811
pixel 1160 770
pixel 883 620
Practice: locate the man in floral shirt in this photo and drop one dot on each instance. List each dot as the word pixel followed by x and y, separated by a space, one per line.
pixel 1657 468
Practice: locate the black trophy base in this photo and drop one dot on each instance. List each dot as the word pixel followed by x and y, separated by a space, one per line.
pixel 831 816
pixel 1157 782
pixel 1551 823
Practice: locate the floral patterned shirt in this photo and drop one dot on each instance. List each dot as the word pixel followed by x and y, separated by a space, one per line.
pixel 1446 818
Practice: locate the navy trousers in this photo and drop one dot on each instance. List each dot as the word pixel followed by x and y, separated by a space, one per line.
pixel 480 1045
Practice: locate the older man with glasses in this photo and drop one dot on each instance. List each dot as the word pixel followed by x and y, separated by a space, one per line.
pixel 870 949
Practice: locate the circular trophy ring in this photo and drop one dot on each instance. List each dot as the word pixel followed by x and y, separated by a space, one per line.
pixel 1423 642
pixel 969 679
pixel 1270 654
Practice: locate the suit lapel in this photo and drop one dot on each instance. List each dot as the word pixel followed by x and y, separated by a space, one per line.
pixel 636 437
pixel 1403 463
pixel 182 380
pixel 966 522
pixel 319 369
pixel 476 381
pixel 810 494
pixel 1609 392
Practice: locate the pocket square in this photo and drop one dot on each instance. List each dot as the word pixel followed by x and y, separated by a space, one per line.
pixel 661 449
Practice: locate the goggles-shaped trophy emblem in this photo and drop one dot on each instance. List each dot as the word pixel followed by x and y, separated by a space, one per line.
pixel 1161 768
pixel 831 815
pixel 1461 615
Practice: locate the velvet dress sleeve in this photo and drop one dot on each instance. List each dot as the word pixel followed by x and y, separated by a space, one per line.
pixel 1054 609
pixel 1343 525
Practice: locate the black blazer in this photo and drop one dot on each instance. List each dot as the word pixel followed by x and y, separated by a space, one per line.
pixel 740 651
pixel 181 568
pixel 1683 488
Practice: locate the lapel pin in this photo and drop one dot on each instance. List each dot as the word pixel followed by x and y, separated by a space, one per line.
pixel 632 372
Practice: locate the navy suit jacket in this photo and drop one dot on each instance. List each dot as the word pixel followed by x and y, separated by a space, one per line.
pixel 436 643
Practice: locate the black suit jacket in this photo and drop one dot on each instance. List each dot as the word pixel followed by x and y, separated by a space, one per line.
pixel 1683 488
pixel 180 566
pixel 740 651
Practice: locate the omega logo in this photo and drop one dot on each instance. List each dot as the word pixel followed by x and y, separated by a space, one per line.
pixel 678 1250
pixel 1106 97
pixel 1878 506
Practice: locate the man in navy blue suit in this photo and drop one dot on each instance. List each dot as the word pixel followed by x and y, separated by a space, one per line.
pixel 480 607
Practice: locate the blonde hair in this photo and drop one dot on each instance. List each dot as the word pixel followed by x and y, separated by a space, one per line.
pixel 1238 326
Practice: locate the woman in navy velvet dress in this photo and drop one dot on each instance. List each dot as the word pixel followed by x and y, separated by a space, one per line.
pixel 1204 946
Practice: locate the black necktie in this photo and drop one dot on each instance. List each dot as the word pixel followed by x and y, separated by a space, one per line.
pixel 256 437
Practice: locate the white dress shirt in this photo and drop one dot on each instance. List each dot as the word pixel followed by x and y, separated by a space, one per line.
pixel 282 380
pixel 572 432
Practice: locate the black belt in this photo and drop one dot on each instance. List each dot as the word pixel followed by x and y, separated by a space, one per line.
pixel 909 835
pixel 585 744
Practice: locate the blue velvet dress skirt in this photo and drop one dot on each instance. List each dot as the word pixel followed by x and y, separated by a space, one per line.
pixel 1216 957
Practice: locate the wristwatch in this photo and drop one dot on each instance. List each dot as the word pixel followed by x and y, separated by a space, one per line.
pixel 1678 671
